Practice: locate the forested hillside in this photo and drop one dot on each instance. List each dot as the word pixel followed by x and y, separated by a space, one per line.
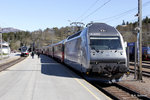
pixel 129 32
pixel 38 38
pixel 16 39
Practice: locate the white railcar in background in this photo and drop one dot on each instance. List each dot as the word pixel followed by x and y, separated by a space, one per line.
pixel 5 48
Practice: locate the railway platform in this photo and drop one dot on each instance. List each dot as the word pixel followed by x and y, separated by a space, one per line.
pixel 45 79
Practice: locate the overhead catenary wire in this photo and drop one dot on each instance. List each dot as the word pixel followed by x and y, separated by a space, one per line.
pixel 135 19
pixel 119 15
pixel 144 5
pixel 90 7
pixel 115 17
pixel 96 10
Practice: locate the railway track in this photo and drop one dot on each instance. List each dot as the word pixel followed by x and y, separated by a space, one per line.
pixel 145 68
pixel 144 73
pixel 146 62
pixel 11 63
pixel 119 92
pixel 144 65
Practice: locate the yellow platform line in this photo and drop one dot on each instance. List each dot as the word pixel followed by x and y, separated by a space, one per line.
pixel 97 90
pixel 97 98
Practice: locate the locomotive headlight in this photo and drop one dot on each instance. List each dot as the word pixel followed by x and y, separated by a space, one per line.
pixel 96 63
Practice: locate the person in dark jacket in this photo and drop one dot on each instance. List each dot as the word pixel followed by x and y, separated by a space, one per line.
pixel 38 54
pixel 32 54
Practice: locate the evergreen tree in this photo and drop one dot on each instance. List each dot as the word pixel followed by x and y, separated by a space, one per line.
pixel 127 23
pixel 146 20
pixel 123 23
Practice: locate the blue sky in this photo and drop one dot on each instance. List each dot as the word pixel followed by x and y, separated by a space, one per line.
pixel 39 14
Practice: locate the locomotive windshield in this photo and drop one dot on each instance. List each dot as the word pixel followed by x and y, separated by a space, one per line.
pixel 105 43
pixel 24 49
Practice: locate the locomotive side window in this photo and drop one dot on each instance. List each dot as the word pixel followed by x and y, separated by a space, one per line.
pixel 105 43
pixel 4 46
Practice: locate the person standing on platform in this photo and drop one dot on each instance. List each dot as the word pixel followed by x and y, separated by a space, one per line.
pixel 38 54
pixel 32 54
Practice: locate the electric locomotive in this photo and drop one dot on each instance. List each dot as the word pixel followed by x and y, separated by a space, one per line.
pixel 97 51
pixel 24 51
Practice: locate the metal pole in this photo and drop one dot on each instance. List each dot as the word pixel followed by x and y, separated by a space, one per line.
pixel 1 45
pixel 128 59
pixel 135 61
pixel 140 39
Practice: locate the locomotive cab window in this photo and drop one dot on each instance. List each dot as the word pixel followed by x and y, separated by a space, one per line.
pixel 105 43
pixel 24 49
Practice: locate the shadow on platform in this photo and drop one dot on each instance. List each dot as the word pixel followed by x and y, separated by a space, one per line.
pixel 53 68
pixel 17 54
